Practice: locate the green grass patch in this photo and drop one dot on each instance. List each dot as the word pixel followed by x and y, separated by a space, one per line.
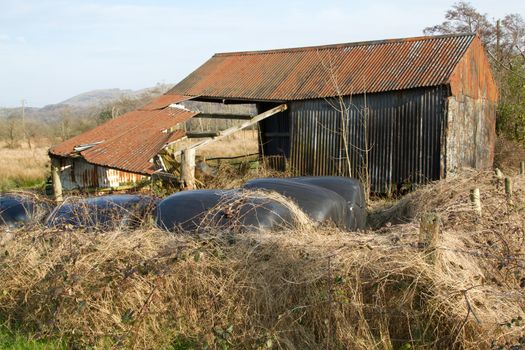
pixel 10 340
pixel 21 184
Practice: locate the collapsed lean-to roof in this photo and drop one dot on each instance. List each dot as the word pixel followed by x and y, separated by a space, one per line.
pixel 130 142
pixel 314 72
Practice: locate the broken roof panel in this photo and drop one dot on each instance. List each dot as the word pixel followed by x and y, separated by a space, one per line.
pixel 128 142
pixel 164 101
pixel 327 71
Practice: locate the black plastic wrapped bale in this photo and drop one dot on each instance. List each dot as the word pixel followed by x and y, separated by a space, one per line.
pixel 259 212
pixel 320 204
pixel 185 211
pixel 103 213
pixel 18 209
pixel 350 189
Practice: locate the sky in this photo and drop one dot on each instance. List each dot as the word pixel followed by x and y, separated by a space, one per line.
pixel 51 50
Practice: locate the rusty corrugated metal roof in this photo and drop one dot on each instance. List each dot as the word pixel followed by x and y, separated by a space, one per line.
pixel 128 142
pixel 325 71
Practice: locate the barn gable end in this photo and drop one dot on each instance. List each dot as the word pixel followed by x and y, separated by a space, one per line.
pixel 471 124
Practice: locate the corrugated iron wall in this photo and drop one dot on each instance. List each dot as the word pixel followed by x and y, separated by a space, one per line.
pixel 76 173
pixel 404 136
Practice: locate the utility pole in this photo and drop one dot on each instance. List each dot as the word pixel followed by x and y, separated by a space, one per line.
pixel 26 135
pixel 23 115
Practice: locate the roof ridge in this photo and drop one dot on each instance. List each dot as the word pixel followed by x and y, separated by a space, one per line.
pixel 343 45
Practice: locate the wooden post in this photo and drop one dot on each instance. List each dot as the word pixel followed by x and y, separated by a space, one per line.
pixel 55 175
pixel 476 201
pixel 508 187
pixel 187 169
pixel 429 232
pixel 499 178
pixel 522 167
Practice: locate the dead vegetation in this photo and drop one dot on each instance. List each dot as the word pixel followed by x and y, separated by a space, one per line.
pixel 508 154
pixel 242 142
pixel 303 289
pixel 22 166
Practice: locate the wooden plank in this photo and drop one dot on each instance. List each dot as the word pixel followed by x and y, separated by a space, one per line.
pixel 224 116
pixel 200 135
pixel 228 132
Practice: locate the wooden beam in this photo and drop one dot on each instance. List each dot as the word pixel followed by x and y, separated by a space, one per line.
pixel 200 135
pixel 187 169
pixel 228 132
pixel 224 116
pixel 55 175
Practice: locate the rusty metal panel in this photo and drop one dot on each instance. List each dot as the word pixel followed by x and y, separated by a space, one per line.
pixel 472 112
pixel 310 72
pixel 473 76
pixel 403 133
pixel 76 173
pixel 128 142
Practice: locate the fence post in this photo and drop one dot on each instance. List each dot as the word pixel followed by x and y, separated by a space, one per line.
pixel 476 200
pixel 55 177
pixel 508 187
pixel 429 232
pixel 522 167
pixel 187 169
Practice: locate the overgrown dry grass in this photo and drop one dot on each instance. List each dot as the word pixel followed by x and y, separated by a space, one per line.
pixel 23 167
pixel 240 143
pixel 303 289
pixel 508 154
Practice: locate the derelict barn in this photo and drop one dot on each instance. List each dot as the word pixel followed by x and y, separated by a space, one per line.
pixel 408 110
pixel 419 107
pixel 126 150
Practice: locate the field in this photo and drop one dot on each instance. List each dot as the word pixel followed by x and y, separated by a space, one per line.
pixel 309 287
pixel 23 167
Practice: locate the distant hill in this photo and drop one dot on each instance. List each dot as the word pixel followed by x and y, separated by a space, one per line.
pixel 104 96
pixel 86 103
pixel 96 97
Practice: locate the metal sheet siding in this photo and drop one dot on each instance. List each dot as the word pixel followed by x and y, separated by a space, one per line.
pixel 76 173
pixel 405 132
pixel 310 72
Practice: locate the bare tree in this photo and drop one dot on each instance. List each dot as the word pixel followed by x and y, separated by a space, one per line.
pixel 464 18
pixel 65 122
pixel 344 106
pixel 12 131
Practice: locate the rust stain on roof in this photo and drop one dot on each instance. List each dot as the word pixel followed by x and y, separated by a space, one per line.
pixel 327 71
pixel 128 142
